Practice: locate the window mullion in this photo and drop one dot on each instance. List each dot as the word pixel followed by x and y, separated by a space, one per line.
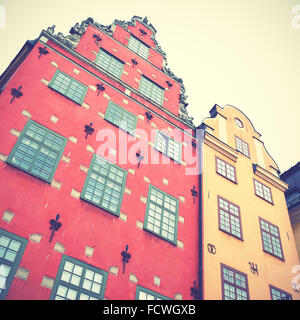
pixel 80 288
pixel 69 87
pixel 41 143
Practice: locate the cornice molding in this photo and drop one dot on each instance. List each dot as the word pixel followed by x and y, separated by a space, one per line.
pixel 221 147
pixel 269 177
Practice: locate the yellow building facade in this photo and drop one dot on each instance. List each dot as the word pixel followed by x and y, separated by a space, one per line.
pixel 248 248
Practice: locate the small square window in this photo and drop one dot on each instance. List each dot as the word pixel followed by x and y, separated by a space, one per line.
pixel 278 294
pixel 12 248
pixel 109 63
pixel 138 47
pixel 37 151
pixel 146 294
pixel 77 280
pixel 121 118
pixel 225 169
pixel 151 90
pixel 168 146
pixel 69 87
pixel 242 146
pixel 263 191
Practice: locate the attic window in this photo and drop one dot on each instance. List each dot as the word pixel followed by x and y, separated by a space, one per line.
pixel 238 122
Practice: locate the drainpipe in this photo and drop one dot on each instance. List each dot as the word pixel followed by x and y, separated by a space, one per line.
pixel 200 176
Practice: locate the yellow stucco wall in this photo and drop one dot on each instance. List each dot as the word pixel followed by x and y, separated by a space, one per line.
pixel 231 251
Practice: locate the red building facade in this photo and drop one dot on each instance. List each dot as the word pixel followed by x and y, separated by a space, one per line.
pixel 97 153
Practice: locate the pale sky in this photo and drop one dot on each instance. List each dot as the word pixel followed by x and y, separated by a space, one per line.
pixel 245 53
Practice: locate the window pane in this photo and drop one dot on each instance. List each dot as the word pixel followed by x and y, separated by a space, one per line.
pixel 37 151
pixel 146 294
pixel 161 215
pixel 68 86
pixel 11 250
pixel 234 284
pixel 271 239
pixel 229 218
pixel 104 185
pixel 79 281
pixel 242 146
pixel 109 63
pixel 151 90
pixel 225 169
pixel 138 47
pixel 121 117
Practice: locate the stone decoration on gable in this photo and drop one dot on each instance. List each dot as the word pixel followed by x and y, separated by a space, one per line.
pixel 76 32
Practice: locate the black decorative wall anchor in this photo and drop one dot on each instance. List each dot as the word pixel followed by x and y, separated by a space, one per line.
pixel 211 248
pixel 97 39
pixel 134 62
pixel 169 84
pixel 194 193
pixel 143 32
pixel 125 257
pixel 140 157
pixel 16 93
pixel 43 51
pixel 194 145
pixel 149 116
pixel 100 88
pixel 253 268
pixel 88 130
pixel 55 225
pixel 195 292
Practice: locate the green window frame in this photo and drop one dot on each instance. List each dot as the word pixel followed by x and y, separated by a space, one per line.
pixel 146 294
pixel 104 185
pixel 109 63
pixel 68 87
pixel 138 47
pixel 151 90
pixel 12 248
pixel 77 280
pixel 37 151
pixel 168 146
pixel 161 216
pixel 121 117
